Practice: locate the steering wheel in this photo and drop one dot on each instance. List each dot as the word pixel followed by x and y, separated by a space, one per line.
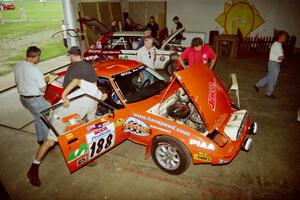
pixel 146 83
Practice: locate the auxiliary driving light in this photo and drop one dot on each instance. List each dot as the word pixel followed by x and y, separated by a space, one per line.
pixel 247 144
pixel 252 128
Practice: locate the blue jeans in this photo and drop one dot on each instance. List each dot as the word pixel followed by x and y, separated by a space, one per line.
pixel 271 78
pixel 35 106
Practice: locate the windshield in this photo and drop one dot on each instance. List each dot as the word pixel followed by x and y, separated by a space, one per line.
pixel 139 84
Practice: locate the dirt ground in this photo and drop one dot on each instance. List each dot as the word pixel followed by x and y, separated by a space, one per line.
pixel 269 171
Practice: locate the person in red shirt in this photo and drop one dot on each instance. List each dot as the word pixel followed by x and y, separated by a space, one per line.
pixel 198 52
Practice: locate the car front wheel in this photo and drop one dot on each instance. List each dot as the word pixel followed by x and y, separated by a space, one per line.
pixel 170 155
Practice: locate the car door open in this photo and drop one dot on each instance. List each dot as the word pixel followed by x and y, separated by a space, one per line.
pixel 85 130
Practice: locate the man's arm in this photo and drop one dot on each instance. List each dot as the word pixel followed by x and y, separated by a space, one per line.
pixel 40 80
pixel 182 57
pixel 212 63
pixel 74 83
pixel 181 62
pixel 43 89
pixel 213 58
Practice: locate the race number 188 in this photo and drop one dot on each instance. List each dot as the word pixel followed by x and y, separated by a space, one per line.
pixel 101 145
pixel 99 142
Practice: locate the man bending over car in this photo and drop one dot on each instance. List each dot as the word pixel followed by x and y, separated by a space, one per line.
pixel 198 52
pixel 80 74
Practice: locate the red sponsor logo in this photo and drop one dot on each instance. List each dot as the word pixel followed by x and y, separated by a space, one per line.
pixel 212 95
pixel 100 130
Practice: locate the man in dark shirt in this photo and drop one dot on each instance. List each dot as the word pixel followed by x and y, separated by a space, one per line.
pixel 153 26
pixel 179 25
pixel 79 68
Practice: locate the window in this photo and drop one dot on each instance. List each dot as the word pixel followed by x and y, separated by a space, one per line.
pixel 139 84
pixel 105 87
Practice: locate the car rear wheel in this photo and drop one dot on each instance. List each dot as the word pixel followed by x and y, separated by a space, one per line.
pixel 170 155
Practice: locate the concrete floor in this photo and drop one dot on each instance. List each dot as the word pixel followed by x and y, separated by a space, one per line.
pixel 269 171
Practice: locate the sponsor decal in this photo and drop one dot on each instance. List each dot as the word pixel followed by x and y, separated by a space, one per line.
pixel 123 57
pixel 91 57
pixel 132 71
pixel 162 58
pixel 97 126
pixel 81 160
pixel 100 139
pixel 136 127
pixel 202 144
pixel 202 157
pixel 160 129
pixel 69 136
pixel 120 122
pixel 161 123
pixel 212 94
pixel 78 152
pixel 94 51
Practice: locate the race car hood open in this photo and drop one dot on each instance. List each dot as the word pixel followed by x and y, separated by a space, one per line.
pixel 171 37
pixel 207 93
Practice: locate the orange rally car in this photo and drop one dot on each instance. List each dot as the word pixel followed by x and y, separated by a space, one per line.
pixel 189 118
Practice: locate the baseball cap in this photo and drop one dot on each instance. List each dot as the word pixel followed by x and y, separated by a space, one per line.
pixel 74 50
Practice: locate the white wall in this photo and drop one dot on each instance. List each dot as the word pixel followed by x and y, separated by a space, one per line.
pixel 199 15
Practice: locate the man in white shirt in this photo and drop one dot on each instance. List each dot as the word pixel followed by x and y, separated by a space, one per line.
pixel 276 57
pixel 31 86
pixel 147 55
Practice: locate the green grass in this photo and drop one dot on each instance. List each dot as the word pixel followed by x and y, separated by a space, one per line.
pixel 17 30
pixel 36 10
pixel 52 50
pixel 49 51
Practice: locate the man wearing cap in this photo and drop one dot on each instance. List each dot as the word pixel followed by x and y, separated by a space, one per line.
pixel 80 74
pixel 179 25
pixel 31 86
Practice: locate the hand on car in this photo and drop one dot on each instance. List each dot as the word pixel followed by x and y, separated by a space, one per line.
pixel 47 79
pixel 104 97
pixel 66 103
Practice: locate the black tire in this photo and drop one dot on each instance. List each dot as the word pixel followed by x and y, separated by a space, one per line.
pixel 182 154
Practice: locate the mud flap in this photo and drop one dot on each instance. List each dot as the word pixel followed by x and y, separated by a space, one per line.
pixel 148 151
